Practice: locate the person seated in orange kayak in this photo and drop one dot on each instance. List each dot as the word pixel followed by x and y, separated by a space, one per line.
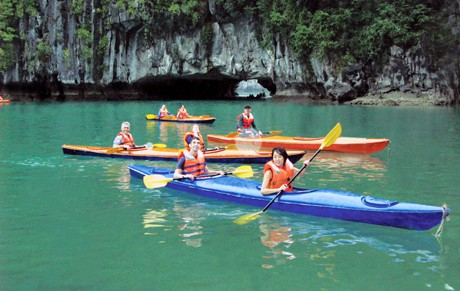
pixel 163 112
pixel 193 163
pixel 182 113
pixel 124 139
pixel 1 98
pixel 278 172
pixel 246 125
pixel 188 138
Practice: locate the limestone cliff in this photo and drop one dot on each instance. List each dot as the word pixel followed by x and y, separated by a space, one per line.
pixel 102 52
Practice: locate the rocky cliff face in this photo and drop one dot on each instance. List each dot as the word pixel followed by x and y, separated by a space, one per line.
pixel 70 54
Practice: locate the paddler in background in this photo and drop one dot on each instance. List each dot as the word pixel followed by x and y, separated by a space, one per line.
pixel 246 125
pixel 193 163
pixel 124 138
pixel 163 112
pixel 278 172
pixel 189 135
pixel 182 113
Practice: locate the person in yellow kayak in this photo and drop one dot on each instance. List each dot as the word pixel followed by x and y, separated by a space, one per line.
pixel 193 163
pixel 278 172
pixel 189 135
pixel 163 112
pixel 182 112
pixel 246 125
pixel 124 139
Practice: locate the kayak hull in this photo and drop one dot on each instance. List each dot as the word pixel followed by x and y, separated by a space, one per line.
pixel 171 154
pixel 191 119
pixel 4 101
pixel 342 144
pixel 316 202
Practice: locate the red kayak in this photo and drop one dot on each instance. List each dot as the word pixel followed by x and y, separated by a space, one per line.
pixel 342 144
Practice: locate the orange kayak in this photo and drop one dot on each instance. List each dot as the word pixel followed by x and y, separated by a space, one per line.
pixel 220 155
pixel 191 119
pixel 4 101
pixel 342 144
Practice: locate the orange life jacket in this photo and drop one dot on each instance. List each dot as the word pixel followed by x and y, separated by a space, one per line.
pixel 280 176
pixel 182 113
pixel 163 113
pixel 194 165
pixel 190 135
pixel 127 139
pixel 247 120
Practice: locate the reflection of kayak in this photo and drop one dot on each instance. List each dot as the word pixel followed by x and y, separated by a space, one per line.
pixel 191 119
pixel 170 154
pixel 317 202
pixel 342 144
pixel 4 101
pixel 346 160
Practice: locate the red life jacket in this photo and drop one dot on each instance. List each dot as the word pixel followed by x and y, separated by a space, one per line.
pixel 182 113
pixel 163 113
pixel 194 165
pixel 280 176
pixel 247 120
pixel 127 139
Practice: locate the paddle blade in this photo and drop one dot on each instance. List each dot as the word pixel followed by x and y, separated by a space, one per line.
pixel 243 172
pixel 247 218
pixel 113 150
pixel 332 136
pixel 231 147
pixel 233 134
pixel 158 145
pixel 156 181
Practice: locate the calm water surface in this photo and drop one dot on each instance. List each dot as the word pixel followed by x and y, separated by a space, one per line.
pixel 80 223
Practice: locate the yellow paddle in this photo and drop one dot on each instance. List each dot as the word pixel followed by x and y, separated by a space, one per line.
pixel 269 133
pixel 158 181
pixel 153 116
pixel 111 151
pixel 331 137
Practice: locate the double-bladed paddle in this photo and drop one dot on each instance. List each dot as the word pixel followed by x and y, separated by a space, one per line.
pixel 331 137
pixel 158 181
pixel 148 146
pixel 269 133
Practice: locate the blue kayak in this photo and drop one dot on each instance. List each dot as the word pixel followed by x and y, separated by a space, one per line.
pixel 317 202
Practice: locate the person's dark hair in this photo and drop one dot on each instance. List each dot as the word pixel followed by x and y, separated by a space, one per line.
pixel 194 137
pixel 281 151
pixel 247 107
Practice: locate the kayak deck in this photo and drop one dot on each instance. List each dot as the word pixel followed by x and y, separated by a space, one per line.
pixel 220 155
pixel 316 202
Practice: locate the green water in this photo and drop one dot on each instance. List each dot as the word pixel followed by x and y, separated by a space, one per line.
pixel 79 223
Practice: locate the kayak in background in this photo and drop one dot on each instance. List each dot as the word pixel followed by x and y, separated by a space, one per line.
pixel 219 155
pixel 191 119
pixel 342 144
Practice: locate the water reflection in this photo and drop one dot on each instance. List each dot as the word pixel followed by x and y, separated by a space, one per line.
pixel 191 216
pixel 320 241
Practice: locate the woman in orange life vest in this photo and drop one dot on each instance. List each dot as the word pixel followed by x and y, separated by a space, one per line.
pixel 278 172
pixel 193 163
pixel 182 112
pixel 246 124
pixel 163 112
pixel 124 138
